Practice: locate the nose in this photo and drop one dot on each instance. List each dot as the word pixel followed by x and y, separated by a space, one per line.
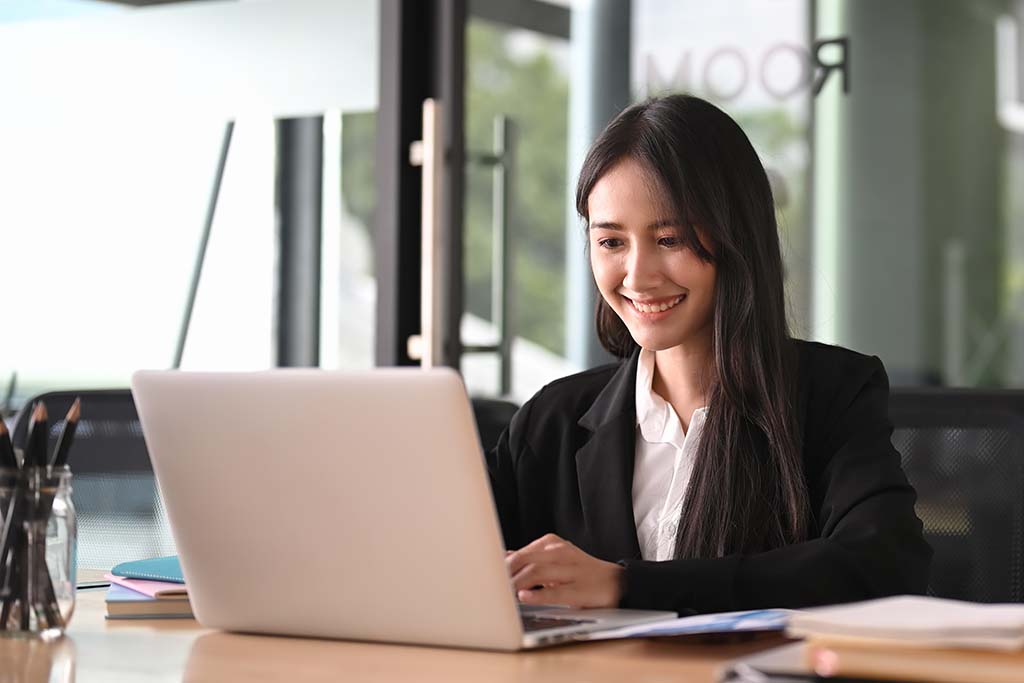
pixel 643 270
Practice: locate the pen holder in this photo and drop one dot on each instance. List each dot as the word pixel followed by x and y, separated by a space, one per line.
pixel 37 551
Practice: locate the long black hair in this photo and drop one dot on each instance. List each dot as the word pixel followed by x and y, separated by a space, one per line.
pixel 747 491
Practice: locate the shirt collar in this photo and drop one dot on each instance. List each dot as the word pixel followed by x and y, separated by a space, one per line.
pixel 645 408
pixel 657 419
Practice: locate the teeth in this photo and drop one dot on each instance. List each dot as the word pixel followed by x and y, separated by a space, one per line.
pixel 645 308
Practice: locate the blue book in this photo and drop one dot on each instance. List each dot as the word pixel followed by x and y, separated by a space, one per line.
pixel 156 569
pixel 124 603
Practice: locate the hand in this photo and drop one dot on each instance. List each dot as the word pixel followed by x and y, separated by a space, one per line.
pixel 566 575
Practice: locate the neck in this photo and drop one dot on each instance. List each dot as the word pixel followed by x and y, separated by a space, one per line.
pixel 682 375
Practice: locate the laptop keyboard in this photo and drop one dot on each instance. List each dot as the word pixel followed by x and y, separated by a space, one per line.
pixel 533 622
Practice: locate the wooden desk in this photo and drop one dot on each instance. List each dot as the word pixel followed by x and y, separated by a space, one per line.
pixel 180 649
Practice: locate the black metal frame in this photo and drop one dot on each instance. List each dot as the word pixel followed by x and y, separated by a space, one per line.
pixel 404 83
pixel 421 56
pixel 532 15
pixel 449 79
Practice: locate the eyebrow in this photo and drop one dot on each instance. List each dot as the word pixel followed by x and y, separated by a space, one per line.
pixel 610 225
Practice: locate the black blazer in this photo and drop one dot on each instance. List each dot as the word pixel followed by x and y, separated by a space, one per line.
pixel 565 465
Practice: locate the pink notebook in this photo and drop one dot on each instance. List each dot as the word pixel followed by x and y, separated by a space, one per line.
pixel 154 589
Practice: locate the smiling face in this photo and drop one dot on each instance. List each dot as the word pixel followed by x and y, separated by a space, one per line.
pixel 657 285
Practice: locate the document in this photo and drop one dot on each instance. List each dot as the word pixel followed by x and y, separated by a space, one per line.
pixel 916 621
pixel 723 622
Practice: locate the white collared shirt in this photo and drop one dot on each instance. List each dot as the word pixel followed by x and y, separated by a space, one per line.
pixel 663 464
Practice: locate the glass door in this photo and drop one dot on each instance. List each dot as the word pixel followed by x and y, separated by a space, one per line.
pixel 516 193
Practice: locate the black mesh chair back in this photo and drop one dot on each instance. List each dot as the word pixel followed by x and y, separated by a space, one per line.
pixel 963 450
pixel 120 513
pixel 492 417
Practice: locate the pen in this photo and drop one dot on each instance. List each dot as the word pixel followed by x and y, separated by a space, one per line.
pixel 35 444
pixel 9 564
pixel 16 564
pixel 67 435
pixel 59 460
pixel 7 533
pixel 22 561
pixel 7 458
pixel 744 673
pixel 11 386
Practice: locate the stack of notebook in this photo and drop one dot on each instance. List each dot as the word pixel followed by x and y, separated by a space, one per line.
pixel 148 589
pixel 915 638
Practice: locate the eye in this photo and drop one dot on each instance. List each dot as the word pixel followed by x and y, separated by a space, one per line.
pixel 609 243
pixel 669 241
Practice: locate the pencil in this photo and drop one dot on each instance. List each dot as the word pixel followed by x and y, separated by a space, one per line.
pixel 11 526
pixel 7 458
pixel 36 442
pixel 9 569
pixel 67 435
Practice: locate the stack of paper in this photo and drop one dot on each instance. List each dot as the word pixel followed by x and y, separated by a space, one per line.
pixel 124 603
pixel 135 598
pixel 919 621
pixel 915 638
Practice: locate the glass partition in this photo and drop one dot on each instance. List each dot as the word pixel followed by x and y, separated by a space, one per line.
pixel 111 131
pixel 892 135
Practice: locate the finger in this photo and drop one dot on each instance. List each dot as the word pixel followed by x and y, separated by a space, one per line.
pixel 552 551
pixel 543 541
pixel 564 594
pixel 546 575
pixel 557 554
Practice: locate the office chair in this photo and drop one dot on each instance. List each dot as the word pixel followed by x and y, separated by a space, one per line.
pixel 120 514
pixel 492 417
pixel 963 450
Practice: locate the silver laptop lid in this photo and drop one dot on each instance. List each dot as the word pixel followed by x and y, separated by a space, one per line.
pixel 346 505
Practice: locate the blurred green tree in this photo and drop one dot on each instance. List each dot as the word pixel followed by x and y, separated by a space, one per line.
pixel 527 86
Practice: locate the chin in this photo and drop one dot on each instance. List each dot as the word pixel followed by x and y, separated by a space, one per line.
pixel 664 339
pixel 655 342
pixel 657 347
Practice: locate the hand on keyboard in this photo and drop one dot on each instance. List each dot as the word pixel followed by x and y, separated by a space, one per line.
pixel 566 575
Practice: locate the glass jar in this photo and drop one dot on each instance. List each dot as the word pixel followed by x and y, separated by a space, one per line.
pixel 37 575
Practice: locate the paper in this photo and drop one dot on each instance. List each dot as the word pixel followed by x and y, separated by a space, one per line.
pixel 154 589
pixel 920 621
pixel 724 622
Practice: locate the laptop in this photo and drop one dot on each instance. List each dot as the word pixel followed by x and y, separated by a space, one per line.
pixel 350 505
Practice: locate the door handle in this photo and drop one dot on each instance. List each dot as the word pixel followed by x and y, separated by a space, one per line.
pixel 428 153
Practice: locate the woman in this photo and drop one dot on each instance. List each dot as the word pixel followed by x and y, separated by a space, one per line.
pixel 721 465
